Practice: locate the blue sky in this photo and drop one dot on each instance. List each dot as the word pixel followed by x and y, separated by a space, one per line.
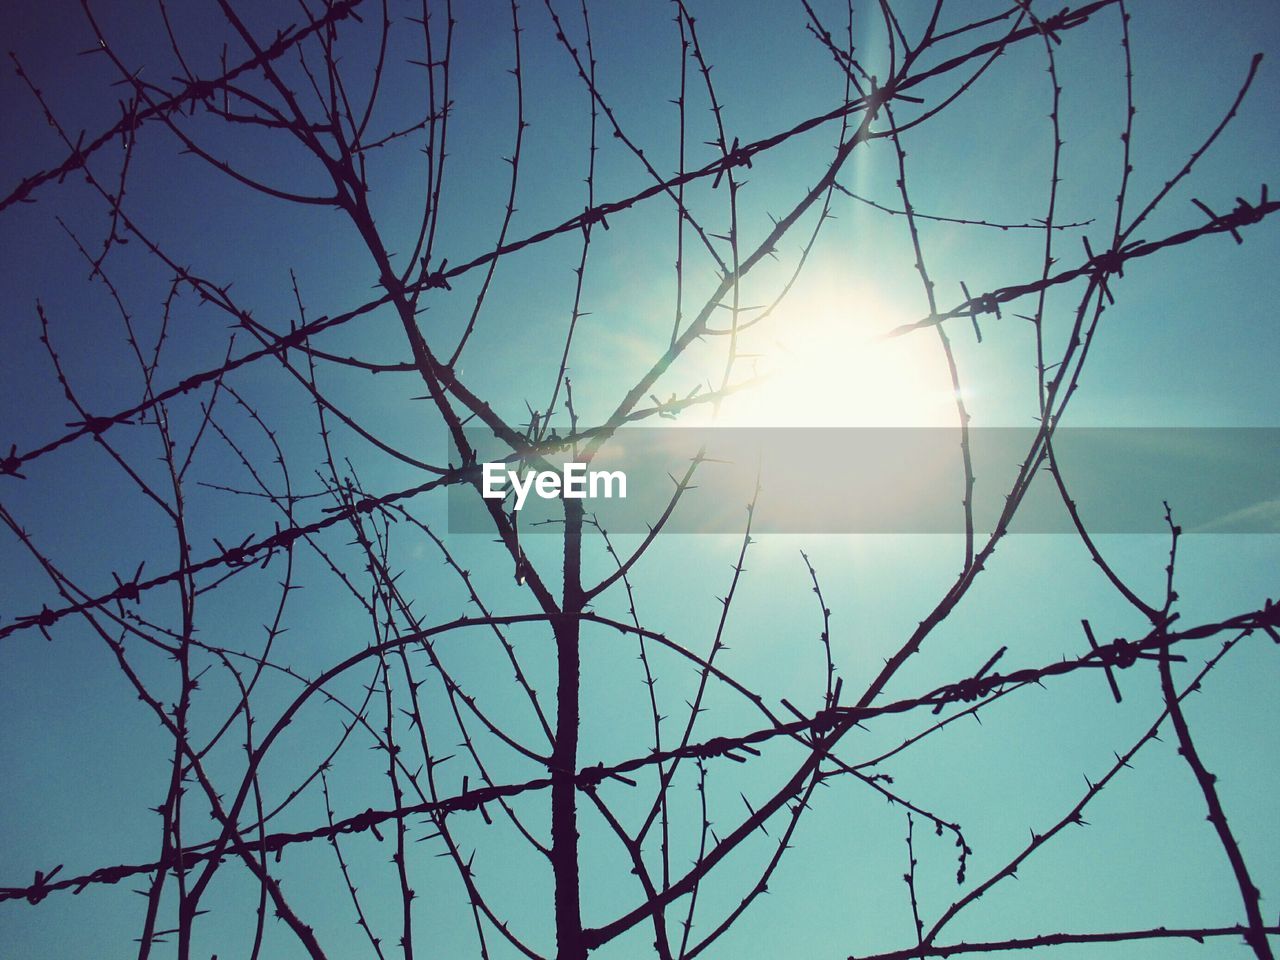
pixel 1190 341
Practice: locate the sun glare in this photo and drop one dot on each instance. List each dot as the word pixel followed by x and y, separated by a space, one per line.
pixel 824 361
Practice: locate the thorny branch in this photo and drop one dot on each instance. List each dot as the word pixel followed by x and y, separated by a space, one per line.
pixel 481 740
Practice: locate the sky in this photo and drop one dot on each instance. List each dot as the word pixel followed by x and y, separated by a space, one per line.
pixel 1189 342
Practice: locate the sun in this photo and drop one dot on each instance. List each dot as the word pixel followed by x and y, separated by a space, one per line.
pixel 824 360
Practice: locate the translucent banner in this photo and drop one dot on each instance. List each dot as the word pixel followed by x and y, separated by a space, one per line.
pixel 880 480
